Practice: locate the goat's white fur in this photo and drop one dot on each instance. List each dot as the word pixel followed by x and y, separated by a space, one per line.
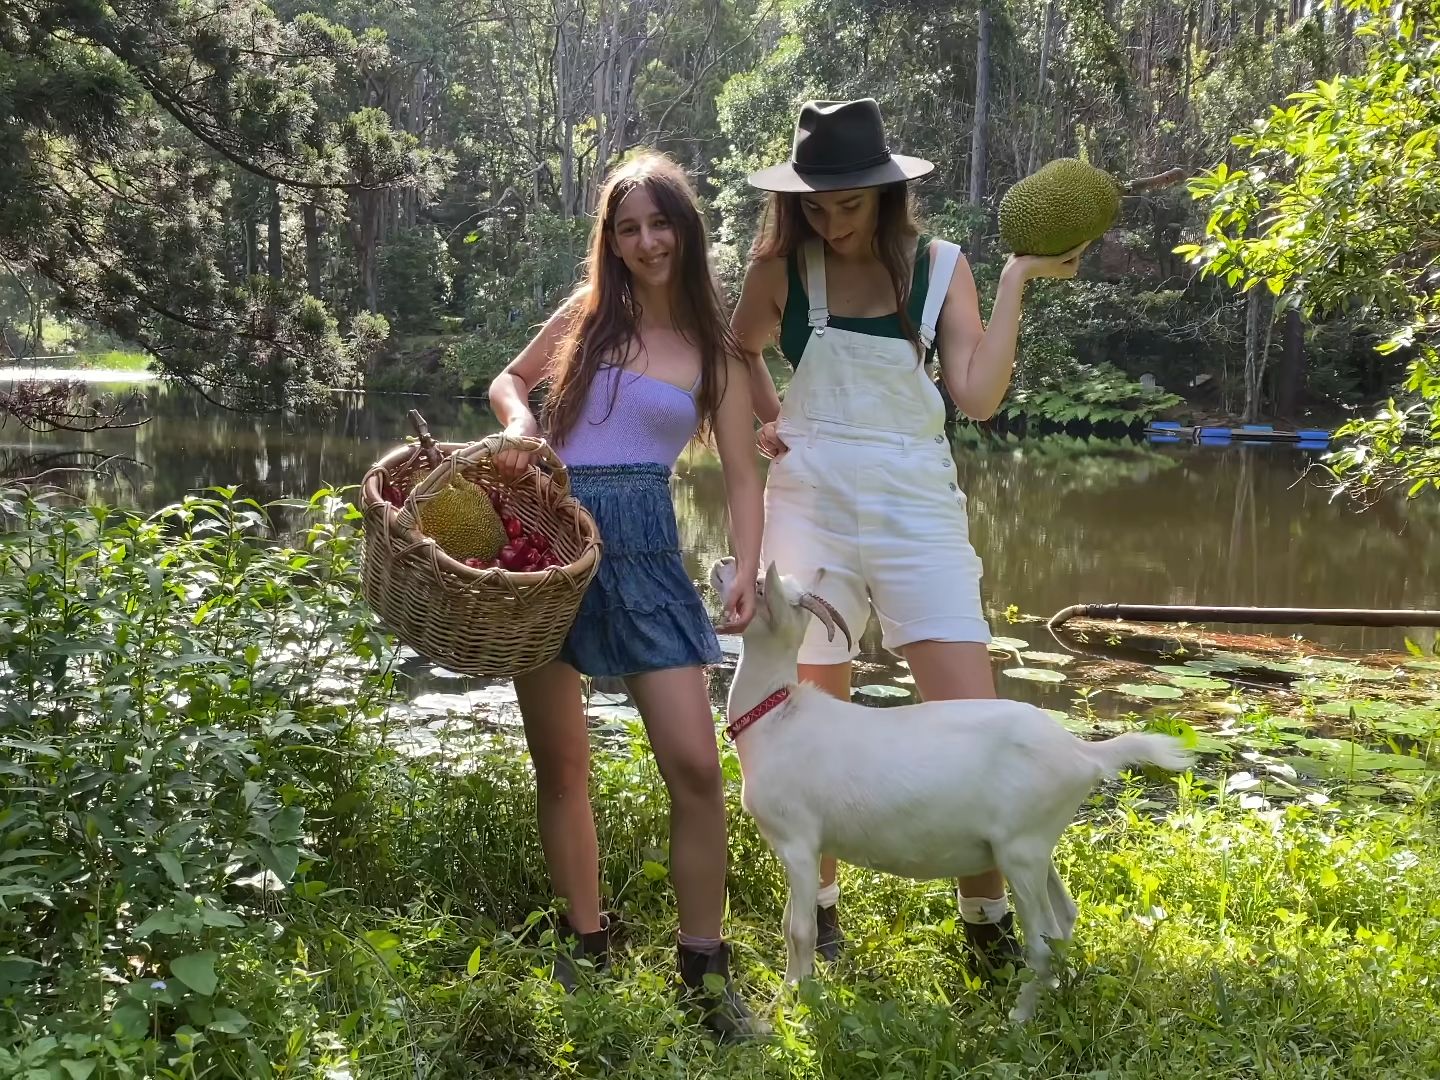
pixel 934 790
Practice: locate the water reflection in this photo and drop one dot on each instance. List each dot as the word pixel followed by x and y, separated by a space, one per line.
pixel 1056 522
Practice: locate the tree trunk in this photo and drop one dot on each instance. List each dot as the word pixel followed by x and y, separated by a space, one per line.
pixel 979 138
pixel 367 230
pixel 1259 326
pixel 311 218
pixel 252 245
pixel 1251 408
pixel 1047 45
pixel 1290 376
pixel 567 123
pixel 274 253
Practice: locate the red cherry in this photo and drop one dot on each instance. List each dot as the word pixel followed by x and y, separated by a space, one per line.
pixel 514 527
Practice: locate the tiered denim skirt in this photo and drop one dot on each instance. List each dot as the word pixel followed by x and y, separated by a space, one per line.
pixel 641 612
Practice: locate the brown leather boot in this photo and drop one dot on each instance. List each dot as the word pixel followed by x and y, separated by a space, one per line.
pixel 722 1008
pixel 576 953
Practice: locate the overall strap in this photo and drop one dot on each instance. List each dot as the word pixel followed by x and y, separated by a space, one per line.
pixel 819 316
pixel 946 257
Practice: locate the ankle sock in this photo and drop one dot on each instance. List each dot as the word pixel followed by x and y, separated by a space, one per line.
pixel 829 895
pixel 983 909
pixel 707 946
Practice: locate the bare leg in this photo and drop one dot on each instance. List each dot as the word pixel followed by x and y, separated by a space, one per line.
pixel 560 748
pixel 945 670
pixel 676 709
pixel 834 679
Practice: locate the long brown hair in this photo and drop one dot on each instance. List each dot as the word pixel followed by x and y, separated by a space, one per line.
pixel 605 313
pixel 784 228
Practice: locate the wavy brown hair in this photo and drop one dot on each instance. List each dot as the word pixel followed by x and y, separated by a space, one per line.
pixel 784 228
pixel 605 313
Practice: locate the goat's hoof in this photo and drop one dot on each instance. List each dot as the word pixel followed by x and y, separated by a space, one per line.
pixel 1024 1010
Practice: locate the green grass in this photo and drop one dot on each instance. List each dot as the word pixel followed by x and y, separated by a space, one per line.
pixel 114 360
pixel 167 757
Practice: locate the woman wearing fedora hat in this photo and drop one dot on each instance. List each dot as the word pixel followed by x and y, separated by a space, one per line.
pixel 862 481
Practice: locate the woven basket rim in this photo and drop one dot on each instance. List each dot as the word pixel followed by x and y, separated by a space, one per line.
pixel 414 541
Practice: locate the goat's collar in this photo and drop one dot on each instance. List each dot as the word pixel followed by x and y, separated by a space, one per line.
pixel 734 729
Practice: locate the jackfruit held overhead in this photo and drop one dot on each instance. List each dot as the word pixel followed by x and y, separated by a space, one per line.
pixel 1065 204
pixel 463 521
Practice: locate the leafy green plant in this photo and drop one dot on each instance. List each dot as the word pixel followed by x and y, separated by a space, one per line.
pixel 1090 395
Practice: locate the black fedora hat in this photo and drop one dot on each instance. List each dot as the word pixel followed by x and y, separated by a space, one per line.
pixel 840 145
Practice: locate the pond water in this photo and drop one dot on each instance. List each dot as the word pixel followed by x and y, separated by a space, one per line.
pixel 1056 521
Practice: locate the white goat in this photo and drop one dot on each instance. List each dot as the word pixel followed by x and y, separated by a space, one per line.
pixel 936 790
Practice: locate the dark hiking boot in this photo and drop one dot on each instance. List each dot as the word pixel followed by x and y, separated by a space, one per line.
pixel 993 946
pixel 576 954
pixel 829 938
pixel 709 988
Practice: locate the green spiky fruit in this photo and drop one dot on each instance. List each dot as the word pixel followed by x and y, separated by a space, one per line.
pixel 462 520
pixel 1058 207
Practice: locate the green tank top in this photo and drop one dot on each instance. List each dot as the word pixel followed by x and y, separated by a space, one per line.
pixel 795 328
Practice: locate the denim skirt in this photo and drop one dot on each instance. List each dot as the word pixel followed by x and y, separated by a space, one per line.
pixel 641 612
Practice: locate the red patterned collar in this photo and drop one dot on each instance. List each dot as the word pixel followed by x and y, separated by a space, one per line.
pixel 734 730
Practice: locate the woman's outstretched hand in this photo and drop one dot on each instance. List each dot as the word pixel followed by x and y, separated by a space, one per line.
pixel 1049 266
pixel 739 606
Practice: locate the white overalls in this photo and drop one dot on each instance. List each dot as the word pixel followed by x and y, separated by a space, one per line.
pixel 867 489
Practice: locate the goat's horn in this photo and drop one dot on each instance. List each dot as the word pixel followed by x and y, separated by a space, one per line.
pixel 827 615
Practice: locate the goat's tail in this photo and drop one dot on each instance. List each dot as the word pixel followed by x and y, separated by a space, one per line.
pixel 1138 748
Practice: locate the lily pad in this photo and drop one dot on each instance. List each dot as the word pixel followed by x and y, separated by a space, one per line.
pixel 496 694
pixel 1035 674
pixel 1352 756
pixel 1245 661
pixel 442 703
pixel 1150 691
pixel 1418 723
pixel 1199 682
pixel 1008 644
pixel 880 690
pixel 1057 658
pixel 1344 669
pixel 1207 666
pixel 1179 669
pixel 1365 791
pixel 598 698
pixel 614 713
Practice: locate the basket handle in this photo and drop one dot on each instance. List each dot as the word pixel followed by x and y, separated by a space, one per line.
pixel 494 444
pixel 489 447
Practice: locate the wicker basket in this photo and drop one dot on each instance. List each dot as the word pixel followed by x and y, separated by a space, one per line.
pixel 477 622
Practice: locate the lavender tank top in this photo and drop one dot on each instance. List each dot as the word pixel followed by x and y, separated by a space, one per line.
pixel 651 422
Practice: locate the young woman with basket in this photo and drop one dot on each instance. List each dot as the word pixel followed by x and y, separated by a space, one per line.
pixel 862 481
pixel 638 360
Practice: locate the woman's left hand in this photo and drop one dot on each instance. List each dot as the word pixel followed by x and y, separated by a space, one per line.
pixel 1049 266
pixel 739 605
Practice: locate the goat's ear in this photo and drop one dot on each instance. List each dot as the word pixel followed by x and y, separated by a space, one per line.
pixel 722 574
pixel 774 592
